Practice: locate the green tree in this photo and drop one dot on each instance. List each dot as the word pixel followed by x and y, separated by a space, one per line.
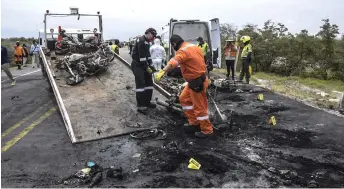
pixel 270 33
pixel 227 31
pixel 277 50
pixel 339 60
pixel 327 35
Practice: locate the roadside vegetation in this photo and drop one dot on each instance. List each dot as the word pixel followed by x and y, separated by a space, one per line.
pixel 304 66
pixel 278 51
pixel 9 43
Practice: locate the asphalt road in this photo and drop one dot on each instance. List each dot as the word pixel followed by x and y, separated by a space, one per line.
pixel 36 149
pixel 37 152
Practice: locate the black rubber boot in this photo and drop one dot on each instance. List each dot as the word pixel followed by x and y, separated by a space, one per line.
pixel 191 128
pixel 142 110
pixel 152 105
pixel 227 77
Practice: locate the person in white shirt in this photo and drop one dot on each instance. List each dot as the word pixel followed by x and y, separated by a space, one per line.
pixel 34 52
pixel 158 54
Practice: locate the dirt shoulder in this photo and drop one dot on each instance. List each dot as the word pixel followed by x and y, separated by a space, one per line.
pixel 326 95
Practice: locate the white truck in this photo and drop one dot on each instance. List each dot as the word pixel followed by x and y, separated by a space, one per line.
pixel 190 30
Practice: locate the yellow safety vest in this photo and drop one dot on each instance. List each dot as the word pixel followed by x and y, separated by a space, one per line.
pixel 113 47
pixel 247 49
pixel 204 48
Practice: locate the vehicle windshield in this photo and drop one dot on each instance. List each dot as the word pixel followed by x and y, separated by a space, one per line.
pixel 191 31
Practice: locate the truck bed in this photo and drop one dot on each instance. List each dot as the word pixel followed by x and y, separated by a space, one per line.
pixel 100 106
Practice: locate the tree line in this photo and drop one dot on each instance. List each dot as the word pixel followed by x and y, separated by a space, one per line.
pixel 278 51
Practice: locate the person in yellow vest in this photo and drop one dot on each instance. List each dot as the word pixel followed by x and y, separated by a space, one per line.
pixel 114 48
pixel 230 55
pixel 246 57
pixel 204 48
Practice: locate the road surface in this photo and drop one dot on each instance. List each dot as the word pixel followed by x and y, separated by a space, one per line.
pixel 37 152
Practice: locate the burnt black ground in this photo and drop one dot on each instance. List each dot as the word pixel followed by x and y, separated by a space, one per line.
pixel 305 145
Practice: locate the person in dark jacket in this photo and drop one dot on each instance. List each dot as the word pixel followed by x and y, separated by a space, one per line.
pixel 130 46
pixel 5 65
pixel 141 66
pixel 25 56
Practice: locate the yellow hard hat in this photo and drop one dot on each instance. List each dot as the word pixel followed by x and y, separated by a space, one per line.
pixel 245 38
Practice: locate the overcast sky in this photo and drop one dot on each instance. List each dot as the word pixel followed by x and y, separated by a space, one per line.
pixel 126 18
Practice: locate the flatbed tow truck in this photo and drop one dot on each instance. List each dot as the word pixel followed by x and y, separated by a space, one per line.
pixel 99 107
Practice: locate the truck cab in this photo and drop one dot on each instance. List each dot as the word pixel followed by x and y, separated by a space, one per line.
pixel 190 30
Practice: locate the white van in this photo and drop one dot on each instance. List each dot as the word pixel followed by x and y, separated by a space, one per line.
pixel 190 30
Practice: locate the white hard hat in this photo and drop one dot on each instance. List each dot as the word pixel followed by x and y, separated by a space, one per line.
pixel 230 39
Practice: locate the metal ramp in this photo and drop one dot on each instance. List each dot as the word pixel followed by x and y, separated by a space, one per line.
pixel 99 107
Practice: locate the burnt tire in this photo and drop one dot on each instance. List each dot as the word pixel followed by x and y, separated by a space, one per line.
pixel 110 56
pixel 71 80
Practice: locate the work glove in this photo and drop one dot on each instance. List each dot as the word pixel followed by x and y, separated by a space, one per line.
pixel 159 75
pixel 152 68
pixel 149 70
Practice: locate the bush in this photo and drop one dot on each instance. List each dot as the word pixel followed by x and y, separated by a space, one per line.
pixel 278 51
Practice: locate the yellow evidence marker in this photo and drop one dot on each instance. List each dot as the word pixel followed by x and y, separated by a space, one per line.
pixel 260 97
pixel 193 164
pixel 272 120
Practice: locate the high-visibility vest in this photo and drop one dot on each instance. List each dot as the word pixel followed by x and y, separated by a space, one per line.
pixel 229 54
pixel 204 48
pixel 113 47
pixel 247 49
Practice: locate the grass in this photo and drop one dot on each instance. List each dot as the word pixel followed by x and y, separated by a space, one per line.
pixel 280 84
pixel 326 85
pixel 287 86
pixel 220 70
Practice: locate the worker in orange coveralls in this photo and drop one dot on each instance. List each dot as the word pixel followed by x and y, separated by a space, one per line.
pixel 193 97
pixel 19 53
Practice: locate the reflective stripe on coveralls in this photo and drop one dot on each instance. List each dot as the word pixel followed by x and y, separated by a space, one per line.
pixel 187 107
pixel 195 105
pixel 143 80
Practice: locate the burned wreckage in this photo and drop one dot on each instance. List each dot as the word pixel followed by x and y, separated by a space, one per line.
pixel 75 53
pixel 81 58
pixel 79 66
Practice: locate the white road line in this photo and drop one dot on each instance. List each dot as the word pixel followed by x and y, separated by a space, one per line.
pixel 21 75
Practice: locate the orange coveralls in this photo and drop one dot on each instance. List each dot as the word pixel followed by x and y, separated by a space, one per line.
pixel 18 54
pixel 195 105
